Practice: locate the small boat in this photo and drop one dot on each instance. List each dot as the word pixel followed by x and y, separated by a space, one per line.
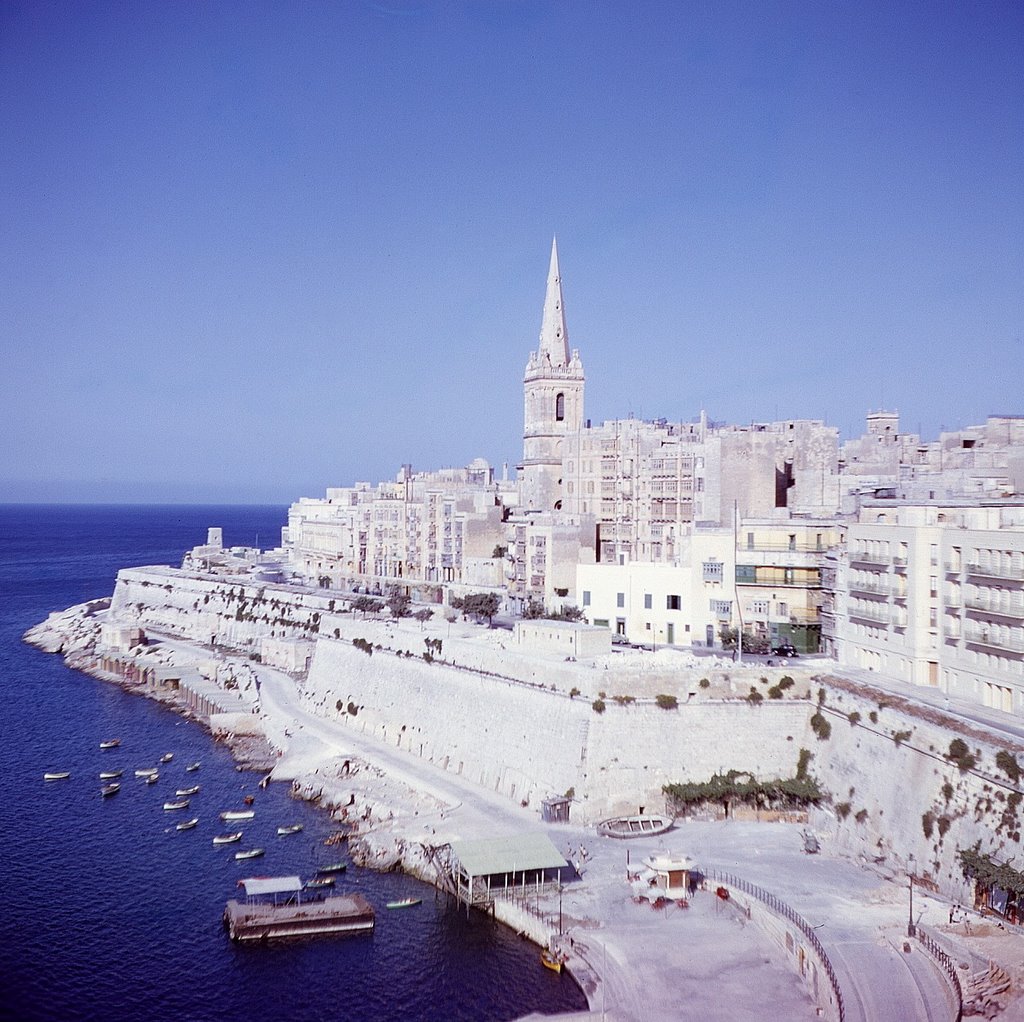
pixel 314 883
pixel 188 791
pixel 110 789
pixel 192 768
pixel 188 824
pixel 550 961
pixel 238 814
pixel 249 799
pixel 57 775
pixel 167 757
pixel 634 826
pixel 292 828
pixel 253 853
pixel 109 775
pixel 332 867
pixel 404 903
pixel 153 778
pixel 147 772
pixel 170 806
pixel 227 839
pixel 110 743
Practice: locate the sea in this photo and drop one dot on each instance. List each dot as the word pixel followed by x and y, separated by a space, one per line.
pixel 108 912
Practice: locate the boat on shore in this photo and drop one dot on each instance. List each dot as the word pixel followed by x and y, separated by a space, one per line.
pixel 634 826
pixel 110 743
pixel 187 824
pixel 404 903
pixel 227 839
pixel 237 814
pixel 192 767
pixel 146 772
pixel 332 867
pixel 194 790
pixel 252 853
pixel 110 789
pixel 292 828
pixel 57 775
pixel 110 775
pixel 172 806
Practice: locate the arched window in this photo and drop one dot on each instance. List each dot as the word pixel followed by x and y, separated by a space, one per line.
pixel 559 407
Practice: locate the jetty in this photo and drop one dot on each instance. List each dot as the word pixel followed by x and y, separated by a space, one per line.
pixel 274 908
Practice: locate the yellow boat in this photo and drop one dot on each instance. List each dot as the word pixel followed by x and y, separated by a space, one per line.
pixel 550 961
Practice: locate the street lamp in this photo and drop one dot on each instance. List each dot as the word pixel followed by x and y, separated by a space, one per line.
pixel 911 929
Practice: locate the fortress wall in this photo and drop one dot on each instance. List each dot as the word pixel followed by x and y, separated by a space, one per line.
pixel 528 743
pixel 892 784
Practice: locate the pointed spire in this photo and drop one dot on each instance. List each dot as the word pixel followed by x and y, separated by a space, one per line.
pixel 554 339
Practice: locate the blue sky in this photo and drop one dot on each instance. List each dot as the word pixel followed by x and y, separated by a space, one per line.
pixel 248 251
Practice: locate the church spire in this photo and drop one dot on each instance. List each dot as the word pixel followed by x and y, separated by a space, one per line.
pixel 554 339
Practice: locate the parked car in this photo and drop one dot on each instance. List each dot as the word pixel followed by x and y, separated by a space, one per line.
pixel 619 640
pixel 786 649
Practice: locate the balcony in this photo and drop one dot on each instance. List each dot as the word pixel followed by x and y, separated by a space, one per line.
pixel 989 641
pixel 878 614
pixel 1001 608
pixel 1010 572
pixel 859 557
pixel 872 588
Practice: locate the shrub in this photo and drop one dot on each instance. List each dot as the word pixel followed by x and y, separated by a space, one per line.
pixel 927 823
pixel 873 717
pixel 704 683
pixel 666 702
pixel 843 810
pixel 944 824
pixel 338 705
pixel 861 816
pixel 947 791
pixel 573 692
pixel 821 727
pixel 803 759
pixel 598 705
pixel 900 737
pixel 353 710
pixel 570 792
pixel 961 755
pixel 775 692
pixel 1007 762
pixel 854 718
pixel 754 698
pixel 624 700
pixel 786 682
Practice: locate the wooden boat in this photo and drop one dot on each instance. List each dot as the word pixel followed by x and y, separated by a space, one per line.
pixel 550 961
pixel 153 778
pixel 227 839
pixel 404 902
pixel 332 867
pixel 315 883
pixel 237 814
pixel 167 757
pixel 110 789
pixel 292 828
pixel 194 790
pixel 110 743
pixel 635 826
pixel 109 775
pixel 252 853
pixel 188 824
pixel 249 799
pixel 57 775
pixel 171 806
pixel 192 768
pixel 147 772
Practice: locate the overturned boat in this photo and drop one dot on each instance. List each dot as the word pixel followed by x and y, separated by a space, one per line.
pixel 635 826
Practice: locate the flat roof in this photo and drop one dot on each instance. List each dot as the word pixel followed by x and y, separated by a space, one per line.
pixel 508 854
pixel 255 886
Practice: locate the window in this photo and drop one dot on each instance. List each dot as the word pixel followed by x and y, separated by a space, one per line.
pixel 750 541
pixel 792 541
pixel 713 571
pixel 672 602
pixel 586 597
pixel 559 407
pixel 620 599
pixel 647 601
pixel 783 610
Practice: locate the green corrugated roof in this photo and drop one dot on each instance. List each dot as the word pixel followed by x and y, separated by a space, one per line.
pixel 512 853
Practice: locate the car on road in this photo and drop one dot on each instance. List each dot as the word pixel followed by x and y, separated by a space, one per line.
pixel 786 649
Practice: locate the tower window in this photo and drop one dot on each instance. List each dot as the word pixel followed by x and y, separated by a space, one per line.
pixel 560 408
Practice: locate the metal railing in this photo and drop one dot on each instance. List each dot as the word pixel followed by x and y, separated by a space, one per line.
pixel 779 907
pixel 946 964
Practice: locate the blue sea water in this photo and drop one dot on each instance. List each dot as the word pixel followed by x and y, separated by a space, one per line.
pixel 109 912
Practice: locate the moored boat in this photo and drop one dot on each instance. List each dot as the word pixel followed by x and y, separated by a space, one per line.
pixel 110 743
pixel 550 961
pixel 292 828
pixel 315 883
pixel 404 902
pixel 187 824
pixel 110 789
pixel 57 775
pixel 238 814
pixel 252 853
pixel 109 775
pixel 167 757
pixel 227 839
pixel 194 790
pixel 146 772
pixel 192 768
pixel 152 778
pixel 183 804
pixel 332 867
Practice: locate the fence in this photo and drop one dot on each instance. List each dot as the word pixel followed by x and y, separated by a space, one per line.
pixel 781 908
pixel 946 964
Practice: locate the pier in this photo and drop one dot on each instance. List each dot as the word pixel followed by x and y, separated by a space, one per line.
pixel 273 908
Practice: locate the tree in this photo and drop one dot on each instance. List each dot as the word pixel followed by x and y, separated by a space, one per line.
pixel 481 605
pixel 423 615
pixel 367 605
pixel 398 602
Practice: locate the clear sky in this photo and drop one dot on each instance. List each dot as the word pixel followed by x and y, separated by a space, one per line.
pixel 251 250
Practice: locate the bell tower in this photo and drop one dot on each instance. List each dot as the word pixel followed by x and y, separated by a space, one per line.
pixel 553 396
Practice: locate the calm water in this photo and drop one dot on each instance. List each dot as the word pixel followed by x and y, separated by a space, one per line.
pixel 108 912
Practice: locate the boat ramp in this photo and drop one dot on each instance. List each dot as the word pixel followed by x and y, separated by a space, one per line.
pixel 274 908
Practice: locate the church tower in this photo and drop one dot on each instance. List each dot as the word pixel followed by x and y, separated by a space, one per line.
pixel 553 393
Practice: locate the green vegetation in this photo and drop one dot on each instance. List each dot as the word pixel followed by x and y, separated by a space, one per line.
pixel 499 552
pixel 534 609
pixel 854 718
pixel 704 683
pixel 961 755
pixel 1007 762
pixel 873 716
pixel 927 824
pixel 843 810
pixel 821 727
pixel 367 605
pixel 802 762
pixel 573 692
pixel 353 710
pixel 754 697
pixel 598 705
pixel 398 602
pixel 744 788
pixel 991 874
pixel 478 605
pixel 624 700
pixel 666 702
pixel 364 645
pixel 861 816
pixel 947 791
pixel 901 736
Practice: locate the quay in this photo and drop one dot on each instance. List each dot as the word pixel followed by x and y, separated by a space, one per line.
pixel 273 908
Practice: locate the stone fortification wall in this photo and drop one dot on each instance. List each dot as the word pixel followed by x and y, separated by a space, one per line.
pixel 897 793
pixel 527 742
